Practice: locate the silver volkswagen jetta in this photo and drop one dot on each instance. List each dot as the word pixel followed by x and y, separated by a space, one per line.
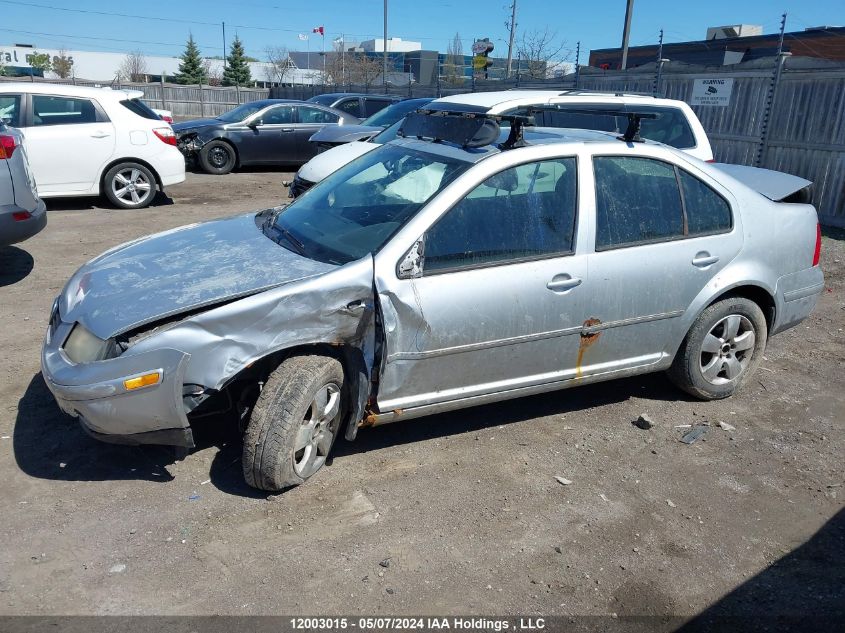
pixel 446 269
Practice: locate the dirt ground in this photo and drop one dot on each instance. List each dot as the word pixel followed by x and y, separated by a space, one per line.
pixel 463 508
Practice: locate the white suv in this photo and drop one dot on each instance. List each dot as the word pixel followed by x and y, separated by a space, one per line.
pixel 89 141
pixel 672 122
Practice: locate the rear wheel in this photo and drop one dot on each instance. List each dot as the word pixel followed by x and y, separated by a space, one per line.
pixel 129 186
pixel 722 349
pixel 218 157
pixel 294 423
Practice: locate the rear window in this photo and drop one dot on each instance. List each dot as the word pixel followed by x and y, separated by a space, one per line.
pixel 140 108
pixel 670 127
pixel 10 107
pixel 371 106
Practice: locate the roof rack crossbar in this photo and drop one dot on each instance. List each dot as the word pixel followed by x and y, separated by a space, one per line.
pixel 632 132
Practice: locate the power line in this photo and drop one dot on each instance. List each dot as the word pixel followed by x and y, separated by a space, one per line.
pixel 104 39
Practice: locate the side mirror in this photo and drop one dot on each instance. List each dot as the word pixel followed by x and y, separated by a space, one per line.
pixel 255 123
pixel 411 266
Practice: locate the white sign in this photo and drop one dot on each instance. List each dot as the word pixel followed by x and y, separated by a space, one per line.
pixel 713 92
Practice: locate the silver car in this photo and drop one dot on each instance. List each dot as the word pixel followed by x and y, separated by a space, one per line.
pixel 22 212
pixel 427 276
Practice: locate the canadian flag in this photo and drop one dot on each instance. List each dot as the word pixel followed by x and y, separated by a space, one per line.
pixel 318 29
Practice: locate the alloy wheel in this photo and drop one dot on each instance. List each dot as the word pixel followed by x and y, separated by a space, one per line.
pixel 727 349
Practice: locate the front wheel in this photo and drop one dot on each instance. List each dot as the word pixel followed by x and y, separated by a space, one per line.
pixel 294 423
pixel 722 349
pixel 130 186
pixel 218 157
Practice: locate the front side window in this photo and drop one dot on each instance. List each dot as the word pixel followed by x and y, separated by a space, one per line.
pixel 47 110
pixel 525 211
pixel 10 109
pixel 355 210
pixel 280 115
pixel 639 200
pixel 315 115
pixel 241 113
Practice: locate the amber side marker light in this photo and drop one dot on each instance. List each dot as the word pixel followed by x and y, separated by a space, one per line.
pixel 139 382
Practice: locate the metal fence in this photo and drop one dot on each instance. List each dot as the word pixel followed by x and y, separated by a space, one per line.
pixel 792 120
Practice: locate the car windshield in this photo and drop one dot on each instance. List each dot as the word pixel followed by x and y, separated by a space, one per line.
pixel 326 100
pixel 359 207
pixel 392 114
pixel 385 136
pixel 242 112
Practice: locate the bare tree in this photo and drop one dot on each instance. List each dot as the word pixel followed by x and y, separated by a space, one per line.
pixel 279 64
pixel 453 68
pixel 214 74
pixel 63 64
pixel 134 67
pixel 362 69
pixel 540 53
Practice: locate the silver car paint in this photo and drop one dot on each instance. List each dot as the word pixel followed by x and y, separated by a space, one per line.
pixel 18 193
pixel 546 340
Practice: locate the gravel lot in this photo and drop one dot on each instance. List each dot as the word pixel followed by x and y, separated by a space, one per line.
pixel 463 508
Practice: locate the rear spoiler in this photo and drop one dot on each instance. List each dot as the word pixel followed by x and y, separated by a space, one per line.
pixel 775 185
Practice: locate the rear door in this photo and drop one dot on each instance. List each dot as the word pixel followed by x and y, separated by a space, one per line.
pixel 310 120
pixel 497 305
pixel 69 141
pixel 662 233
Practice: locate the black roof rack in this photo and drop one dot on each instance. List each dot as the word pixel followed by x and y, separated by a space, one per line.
pixel 467 129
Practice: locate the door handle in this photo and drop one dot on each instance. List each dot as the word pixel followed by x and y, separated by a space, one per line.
pixel 287 129
pixel 704 259
pixel 100 135
pixel 562 283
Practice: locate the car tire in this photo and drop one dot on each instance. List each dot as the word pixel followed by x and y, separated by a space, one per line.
pixel 722 350
pixel 129 186
pixel 218 157
pixel 294 423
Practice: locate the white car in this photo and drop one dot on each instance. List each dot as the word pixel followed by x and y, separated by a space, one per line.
pixel 674 123
pixel 164 115
pixel 90 141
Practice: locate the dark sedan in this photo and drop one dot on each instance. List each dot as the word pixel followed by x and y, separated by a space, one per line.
pixel 266 132
pixel 330 137
pixel 358 104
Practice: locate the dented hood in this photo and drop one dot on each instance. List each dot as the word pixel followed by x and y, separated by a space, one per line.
pixel 179 271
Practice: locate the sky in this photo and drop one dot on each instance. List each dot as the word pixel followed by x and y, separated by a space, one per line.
pixel 160 27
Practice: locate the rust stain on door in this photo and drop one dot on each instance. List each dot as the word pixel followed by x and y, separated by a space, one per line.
pixel 587 339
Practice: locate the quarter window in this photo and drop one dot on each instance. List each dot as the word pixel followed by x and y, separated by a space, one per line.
pixel 707 211
pixel 638 200
pixel 48 110
pixel 523 212
pixel 10 108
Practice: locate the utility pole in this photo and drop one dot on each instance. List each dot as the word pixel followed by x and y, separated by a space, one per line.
pixel 512 27
pixel 384 61
pixel 763 148
pixel 224 46
pixel 659 65
pixel 626 33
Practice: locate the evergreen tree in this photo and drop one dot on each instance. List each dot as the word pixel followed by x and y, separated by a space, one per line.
pixel 237 69
pixel 191 68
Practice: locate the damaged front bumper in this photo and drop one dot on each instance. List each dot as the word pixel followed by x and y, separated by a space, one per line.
pixel 97 393
pixel 189 144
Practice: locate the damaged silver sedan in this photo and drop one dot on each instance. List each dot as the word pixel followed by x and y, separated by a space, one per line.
pixel 443 270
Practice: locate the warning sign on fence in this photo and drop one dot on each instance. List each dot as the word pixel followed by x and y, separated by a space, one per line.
pixel 713 92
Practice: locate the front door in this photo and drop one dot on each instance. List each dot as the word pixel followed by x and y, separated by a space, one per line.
pixel 68 141
pixel 270 139
pixel 498 303
pixel 662 235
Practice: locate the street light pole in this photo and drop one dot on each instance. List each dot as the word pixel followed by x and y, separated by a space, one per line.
pixel 510 39
pixel 384 61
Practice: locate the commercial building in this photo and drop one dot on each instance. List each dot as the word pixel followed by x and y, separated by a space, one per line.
pixel 731 45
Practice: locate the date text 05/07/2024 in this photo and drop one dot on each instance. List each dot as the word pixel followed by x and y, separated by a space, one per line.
pixel 419 623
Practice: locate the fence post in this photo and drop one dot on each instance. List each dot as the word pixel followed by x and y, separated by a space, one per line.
pixel 202 103
pixel 763 148
pixel 238 90
pixel 163 101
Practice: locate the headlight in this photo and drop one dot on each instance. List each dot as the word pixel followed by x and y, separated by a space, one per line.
pixel 83 347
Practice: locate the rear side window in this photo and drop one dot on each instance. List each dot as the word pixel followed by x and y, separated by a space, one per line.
pixel 280 115
pixel 47 110
pixel 140 108
pixel 670 125
pixel 10 109
pixel 351 106
pixel 527 211
pixel 707 211
pixel 315 115
pixel 637 200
